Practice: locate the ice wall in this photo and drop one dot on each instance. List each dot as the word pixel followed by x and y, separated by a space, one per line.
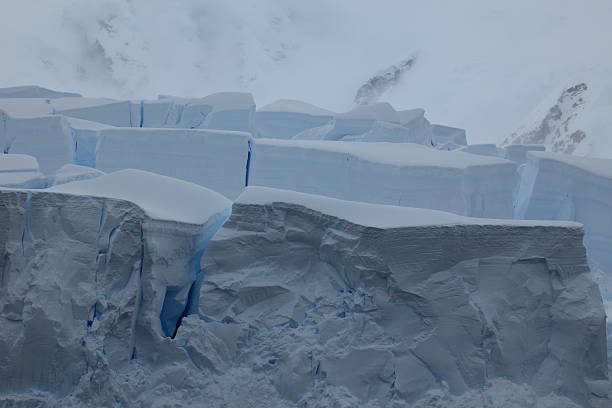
pixel 212 158
pixel 393 302
pixel 96 274
pixel 562 187
pixel 387 173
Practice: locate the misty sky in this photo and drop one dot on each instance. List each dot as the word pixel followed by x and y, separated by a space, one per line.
pixel 480 64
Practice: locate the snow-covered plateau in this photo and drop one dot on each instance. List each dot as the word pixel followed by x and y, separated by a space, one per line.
pixel 185 252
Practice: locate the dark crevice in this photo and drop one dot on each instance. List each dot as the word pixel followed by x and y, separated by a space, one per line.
pixel 248 166
pixel 141 113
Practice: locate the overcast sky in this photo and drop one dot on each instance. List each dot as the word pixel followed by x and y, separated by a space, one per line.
pixel 480 64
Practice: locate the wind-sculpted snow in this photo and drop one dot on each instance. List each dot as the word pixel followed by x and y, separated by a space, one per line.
pixel 91 281
pixel 402 174
pixel 212 158
pixel 389 304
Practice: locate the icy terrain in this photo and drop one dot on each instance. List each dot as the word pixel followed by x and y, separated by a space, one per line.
pixel 325 306
pixel 122 287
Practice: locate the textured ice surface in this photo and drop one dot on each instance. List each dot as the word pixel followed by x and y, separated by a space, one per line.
pixel 286 118
pixel 390 303
pixel 20 171
pixel 403 174
pixel 92 281
pixel 32 91
pixel 329 303
pixel 215 159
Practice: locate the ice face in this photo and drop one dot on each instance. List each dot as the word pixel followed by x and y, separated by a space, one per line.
pixel 90 283
pixel 392 308
pixel 387 173
pixel 212 158
pixel 20 171
pixel 47 138
pixel 561 187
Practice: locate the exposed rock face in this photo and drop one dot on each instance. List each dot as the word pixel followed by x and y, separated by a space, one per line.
pixel 382 82
pixel 556 128
pixel 393 306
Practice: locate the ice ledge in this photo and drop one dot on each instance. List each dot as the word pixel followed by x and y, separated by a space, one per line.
pixel 379 215
pixel 161 197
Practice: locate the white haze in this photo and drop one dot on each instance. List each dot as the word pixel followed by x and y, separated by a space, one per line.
pixel 481 64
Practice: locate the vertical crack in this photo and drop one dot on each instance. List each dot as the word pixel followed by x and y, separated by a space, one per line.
pixel 248 165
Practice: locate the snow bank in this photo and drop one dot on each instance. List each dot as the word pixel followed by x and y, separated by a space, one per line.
pixel 212 158
pixel 387 173
pixel 93 282
pixel 20 171
pixel 285 118
pixel 390 304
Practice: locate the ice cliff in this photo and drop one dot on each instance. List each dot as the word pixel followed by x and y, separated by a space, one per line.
pixel 390 303
pixel 95 274
pixel 329 303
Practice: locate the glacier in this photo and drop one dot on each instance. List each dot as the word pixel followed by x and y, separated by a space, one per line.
pixel 330 303
pixel 402 174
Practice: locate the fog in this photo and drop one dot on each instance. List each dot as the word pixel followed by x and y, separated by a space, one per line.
pixel 482 65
